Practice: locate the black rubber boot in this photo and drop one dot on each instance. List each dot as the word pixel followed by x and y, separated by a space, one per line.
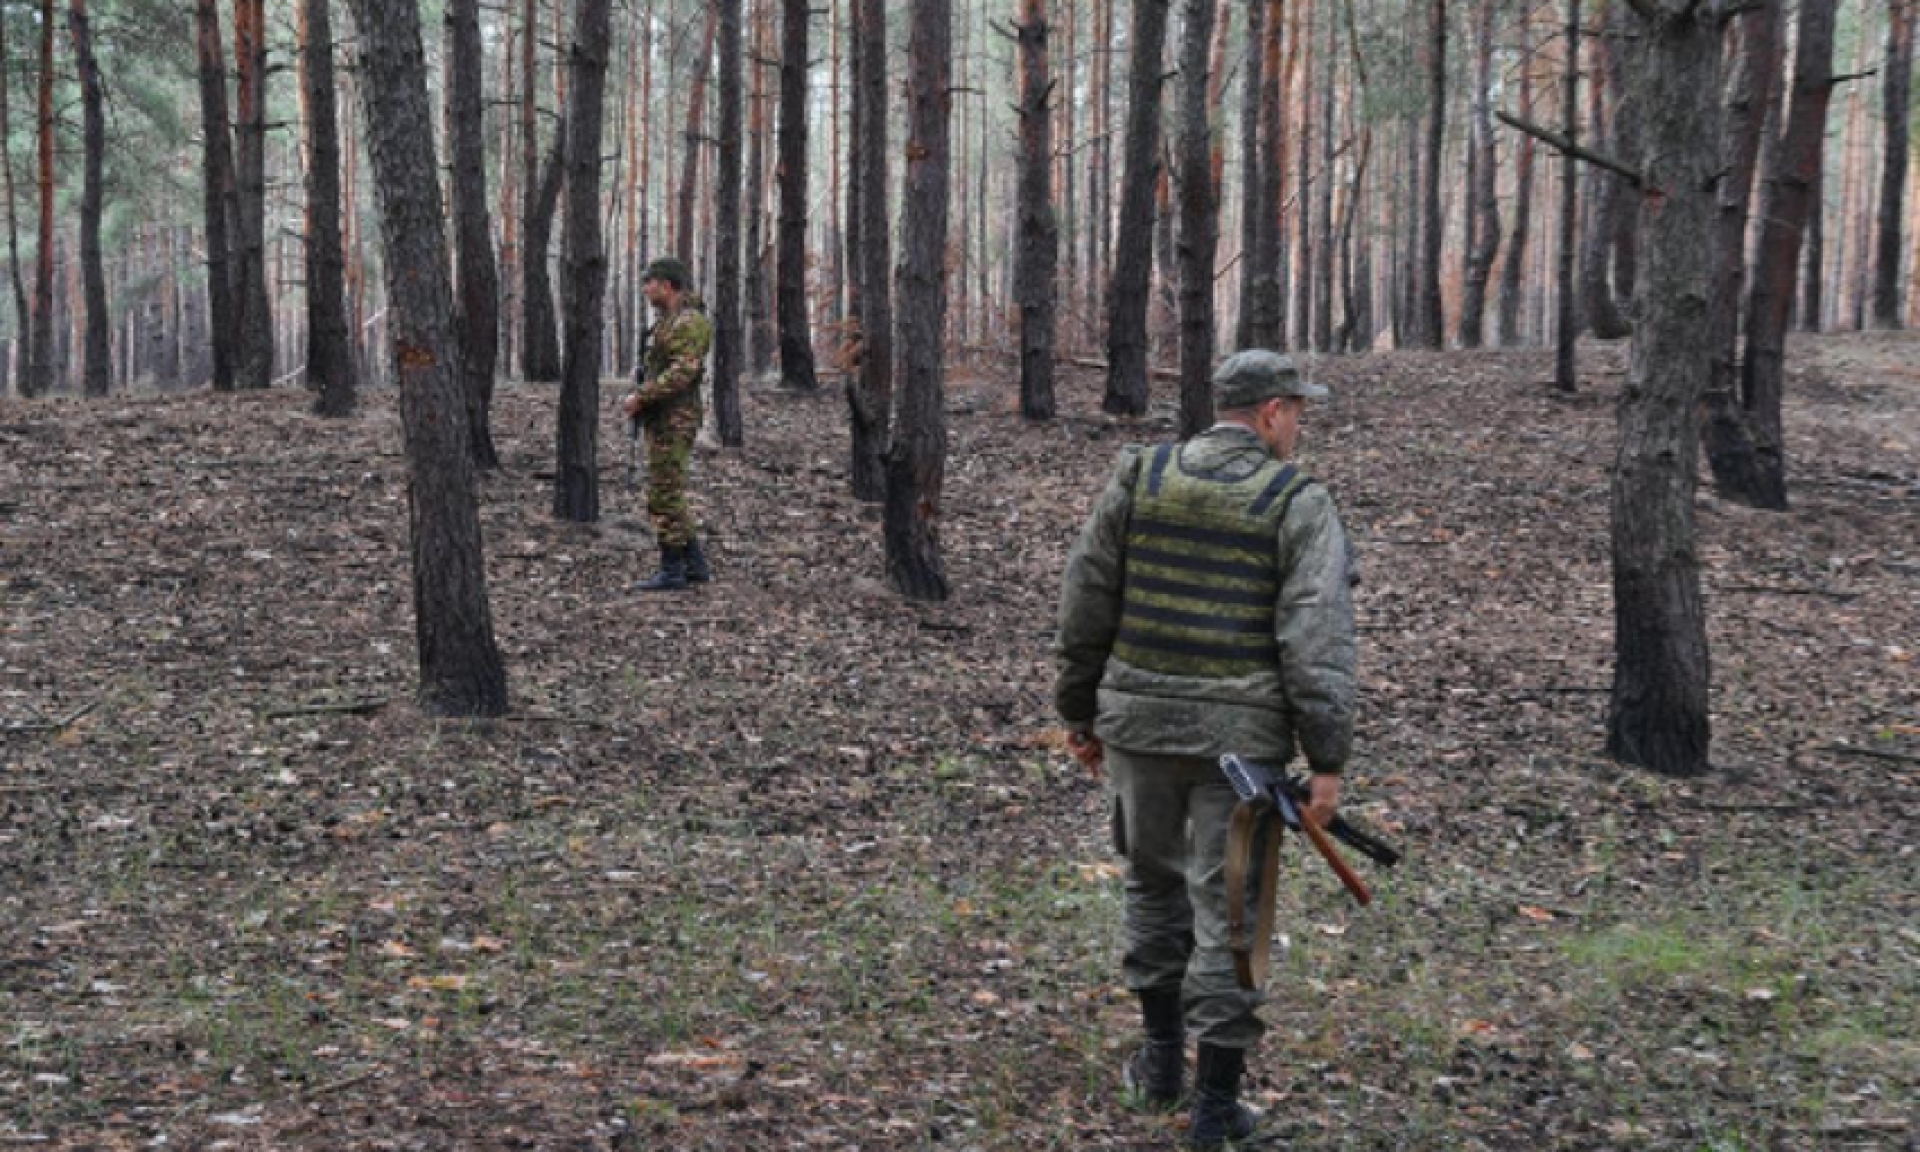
pixel 698 571
pixel 672 575
pixel 1155 1075
pixel 1219 1119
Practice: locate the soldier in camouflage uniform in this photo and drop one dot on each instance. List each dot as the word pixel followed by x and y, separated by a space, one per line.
pixel 666 401
pixel 1206 611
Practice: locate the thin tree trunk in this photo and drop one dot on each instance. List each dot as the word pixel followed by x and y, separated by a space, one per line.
pixel 690 162
pixel 1566 319
pixel 916 461
pixel 1658 714
pixel 1039 238
pixel 871 393
pixel 1252 202
pixel 98 367
pixel 726 266
pixel 23 314
pixel 1483 205
pixel 476 279
pixel 1606 198
pixel 540 338
pixel 547 358
pixel 790 294
pixel 253 294
pixel 576 485
pixel 1896 101
pixel 1322 247
pixel 330 367
pixel 1786 191
pixel 1126 391
pixel 1199 221
pixel 40 373
pixel 1811 273
pixel 760 341
pixel 1429 329
pixel 1750 86
pixel 461 673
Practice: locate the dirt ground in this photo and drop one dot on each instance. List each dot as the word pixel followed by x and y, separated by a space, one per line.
pixel 788 863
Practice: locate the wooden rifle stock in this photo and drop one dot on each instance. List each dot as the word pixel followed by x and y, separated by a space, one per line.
pixel 1354 885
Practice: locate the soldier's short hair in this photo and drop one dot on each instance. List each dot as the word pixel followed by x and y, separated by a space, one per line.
pixel 668 268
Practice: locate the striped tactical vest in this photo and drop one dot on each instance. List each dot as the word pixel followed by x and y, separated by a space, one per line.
pixel 1203 567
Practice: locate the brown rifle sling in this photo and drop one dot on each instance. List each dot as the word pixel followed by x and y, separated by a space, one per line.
pixel 1253 844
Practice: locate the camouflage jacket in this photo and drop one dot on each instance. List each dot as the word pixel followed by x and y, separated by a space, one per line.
pixel 676 360
pixel 1304 701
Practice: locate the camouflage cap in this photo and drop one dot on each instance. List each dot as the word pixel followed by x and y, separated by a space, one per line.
pixel 669 268
pixel 1247 378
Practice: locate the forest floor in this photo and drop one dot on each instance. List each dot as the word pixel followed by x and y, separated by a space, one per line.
pixel 788 863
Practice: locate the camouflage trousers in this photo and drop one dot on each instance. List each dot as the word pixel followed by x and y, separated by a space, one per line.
pixel 1172 829
pixel 669 449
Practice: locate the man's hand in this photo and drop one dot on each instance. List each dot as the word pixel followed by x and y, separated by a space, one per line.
pixel 1088 750
pixel 631 405
pixel 1323 798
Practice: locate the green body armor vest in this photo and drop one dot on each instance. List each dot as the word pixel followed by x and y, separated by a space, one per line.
pixel 1203 568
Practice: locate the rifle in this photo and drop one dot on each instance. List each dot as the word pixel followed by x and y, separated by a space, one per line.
pixel 1271 801
pixel 633 422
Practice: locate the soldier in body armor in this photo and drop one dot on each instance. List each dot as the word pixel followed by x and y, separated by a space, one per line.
pixel 1206 610
pixel 666 401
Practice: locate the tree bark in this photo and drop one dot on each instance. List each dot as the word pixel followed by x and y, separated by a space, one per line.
pixel 1749 92
pixel 760 340
pixel 1038 244
pixel 23 313
pixel 461 673
pixel 1429 328
pixel 728 335
pixel 1786 190
pixel 1606 196
pixel 790 293
pixel 916 461
pixel 690 161
pixel 1323 241
pixel 540 338
pixel 871 392
pixel 1252 201
pixel 217 171
pixel 98 365
pixel 1896 103
pixel 576 485
pixel 252 292
pixel 1126 391
pixel 476 279
pixel 1483 206
pixel 1566 318
pixel 1199 236
pixel 330 367
pixel 40 371
pixel 1658 715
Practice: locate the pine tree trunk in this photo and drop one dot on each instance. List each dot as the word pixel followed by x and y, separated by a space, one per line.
pixel 1787 189
pixel 871 394
pixel 1658 715
pixel 461 673
pixel 760 340
pixel 1896 91
pixel 40 371
pixel 253 291
pixel 917 459
pixel 690 161
pixel 540 336
pixel 330 367
pixel 1605 197
pixel 1126 391
pixel 727 336
pixel 98 364
pixel 1812 271
pixel 1566 316
pixel 1322 334
pixel 1039 232
pixel 1483 206
pixel 1199 221
pixel 790 293
pixel 1429 328
pixel 23 314
pixel 1252 202
pixel 576 485
pixel 1728 440
pixel 476 279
